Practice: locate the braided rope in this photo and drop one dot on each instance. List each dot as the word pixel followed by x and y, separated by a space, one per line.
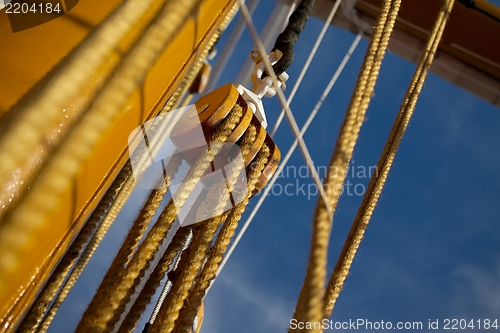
pixel 310 304
pixel 50 290
pixel 149 290
pixel 99 314
pixel 189 267
pixel 384 164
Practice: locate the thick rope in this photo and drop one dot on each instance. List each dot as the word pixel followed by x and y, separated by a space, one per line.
pixel 287 39
pixel 384 164
pixel 149 290
pixel 310 304
pixel 32 212
pixel 51 288
pixel 217 251
pixel 189 268
pixel 25 135
pixel 99 314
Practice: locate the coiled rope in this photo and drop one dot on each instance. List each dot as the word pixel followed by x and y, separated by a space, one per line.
pixel 384 164
pixel 310 304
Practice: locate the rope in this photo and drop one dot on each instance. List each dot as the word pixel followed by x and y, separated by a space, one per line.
pixel 384 164
pixel 149 290
pixel 26 134
pixel 310 305
pixel 168 283
pixel 188 268
pixel 287 39
pixel 99 314
pixel 31 213
pixel 185 274
pixel 209 272
pixel 53 285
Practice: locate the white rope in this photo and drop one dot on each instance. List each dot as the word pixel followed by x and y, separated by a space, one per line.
pixel 306 65
pixel 282 99
pixel 269 186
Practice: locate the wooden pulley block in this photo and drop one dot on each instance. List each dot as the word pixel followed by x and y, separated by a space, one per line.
pixel 208 113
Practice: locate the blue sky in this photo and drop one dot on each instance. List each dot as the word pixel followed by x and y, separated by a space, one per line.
pixel 432 249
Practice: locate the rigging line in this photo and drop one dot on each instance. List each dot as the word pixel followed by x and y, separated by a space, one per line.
pixel 306 65
pixel 282 99
pixel 123 194
pixel 228 49
pixel 214 257
pixel 384 164
pixel 269 33
pixel 168 283
pixel 269 186
pixel 57 279
pixel 290 11
pixel 287 39
pixel 197 252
